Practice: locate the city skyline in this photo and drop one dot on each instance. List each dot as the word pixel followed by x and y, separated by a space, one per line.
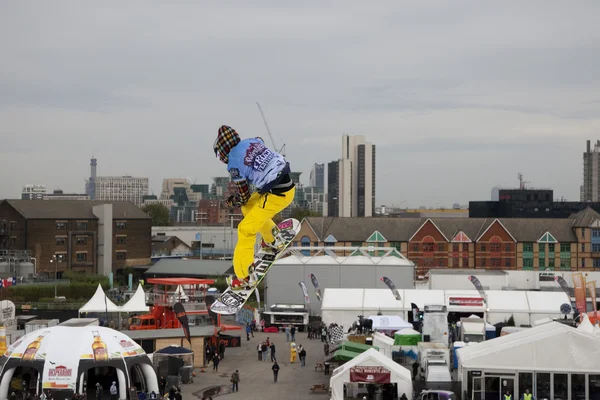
pixel 453 113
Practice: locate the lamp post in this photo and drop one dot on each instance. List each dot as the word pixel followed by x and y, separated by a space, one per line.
pixel 55 260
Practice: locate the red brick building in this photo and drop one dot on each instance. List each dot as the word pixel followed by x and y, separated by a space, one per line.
pixel 505 244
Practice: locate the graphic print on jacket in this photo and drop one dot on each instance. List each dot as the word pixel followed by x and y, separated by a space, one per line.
pixel 252 160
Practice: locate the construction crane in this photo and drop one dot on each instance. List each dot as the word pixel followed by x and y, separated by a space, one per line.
pixel 280 151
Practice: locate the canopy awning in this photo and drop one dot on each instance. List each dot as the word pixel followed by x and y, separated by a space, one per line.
pixel 99 303
pixel 174 350
pixel 137 303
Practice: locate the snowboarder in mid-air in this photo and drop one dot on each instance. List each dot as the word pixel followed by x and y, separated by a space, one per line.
pixel 249 161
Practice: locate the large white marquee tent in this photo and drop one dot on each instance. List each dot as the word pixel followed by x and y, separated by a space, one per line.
pixel 343 305
pixel 370 358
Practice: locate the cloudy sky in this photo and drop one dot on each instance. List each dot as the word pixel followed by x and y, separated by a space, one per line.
pixel 458 96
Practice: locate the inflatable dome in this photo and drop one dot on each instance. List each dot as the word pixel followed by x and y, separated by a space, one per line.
pixel 62 356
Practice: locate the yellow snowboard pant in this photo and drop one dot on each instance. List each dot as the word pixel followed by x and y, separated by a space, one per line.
pixel 258 218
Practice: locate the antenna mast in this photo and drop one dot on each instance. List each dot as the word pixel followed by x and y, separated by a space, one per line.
pixel 280 151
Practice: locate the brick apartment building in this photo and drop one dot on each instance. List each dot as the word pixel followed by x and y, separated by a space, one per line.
pixel 88 236
pixel 566 244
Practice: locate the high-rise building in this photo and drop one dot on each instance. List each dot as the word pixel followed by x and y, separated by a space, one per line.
pixel 90 184
pixel 591 173
pixel 333 187
pixel 169 185
pixel 355 179
pixel 33 192
pixel 317 176
pixel 121 188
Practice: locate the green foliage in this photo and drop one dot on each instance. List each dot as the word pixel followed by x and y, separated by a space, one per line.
pixel 159 214
pixel 301 213
pixel 74 292
pixel 510 321
pixel 81 277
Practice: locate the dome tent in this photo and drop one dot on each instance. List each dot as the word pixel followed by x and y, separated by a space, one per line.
pixel 88 347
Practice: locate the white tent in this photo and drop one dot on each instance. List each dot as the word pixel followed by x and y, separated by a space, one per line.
pixel 99 303
pixel 137 303
pixel 551 347
pixel 370 358
pixel 384 343
pixel 585 325
pixel 389 322
pixel 179 295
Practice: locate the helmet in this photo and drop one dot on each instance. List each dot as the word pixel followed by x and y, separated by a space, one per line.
pixel 227 139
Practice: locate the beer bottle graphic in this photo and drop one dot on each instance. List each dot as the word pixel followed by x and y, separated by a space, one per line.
pixel 33 348
pixel 99 348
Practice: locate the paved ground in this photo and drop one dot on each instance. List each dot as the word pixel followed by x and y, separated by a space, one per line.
pixel 294 382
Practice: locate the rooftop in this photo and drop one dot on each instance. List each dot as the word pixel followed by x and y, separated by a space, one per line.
pixel 73 209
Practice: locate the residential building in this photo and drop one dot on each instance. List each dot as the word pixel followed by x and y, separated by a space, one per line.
pixel 317 176
pixel 33 192
pixel 121 188
pixel 86 236
pixel 591 173
pixel 565 244
pixel 60 195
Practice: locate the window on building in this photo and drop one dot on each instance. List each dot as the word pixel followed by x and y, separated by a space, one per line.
pixel 595 232
pixel 61 225
pixel 121 239
pixel 583 247
pixel 13 225
pixel 596 262
pixel 495 262
pixel 442 262
pixel 121 225
pixel 508 247
pixel 441 247
pixel 551 262
pixel 495 244
pixel 455 247
pixel 465 262
pixel 415 247
pixel 61 240
pixel 542 262
pixel 528 263
pixel 582 263
pixel 482 247
pixel 507 262
pixel 354 244
pixel 483 262
pixel 595 247
pixel 396 245
pixel 82 240
pixel 13 240
pixel 121 255
pixel 583 233
pixel 82 225
pixel 427 247
pixel 527 247
pixel 327 244
pixel 455 262
pixel 542 247
pixel 81 256
pixel 565 263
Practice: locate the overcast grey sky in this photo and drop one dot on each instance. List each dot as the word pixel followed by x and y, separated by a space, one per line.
pixel 458 96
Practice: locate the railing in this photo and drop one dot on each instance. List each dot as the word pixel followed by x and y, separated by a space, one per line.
pixel 21 306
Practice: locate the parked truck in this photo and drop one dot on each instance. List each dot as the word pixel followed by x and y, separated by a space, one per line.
pixel 434 361
pixel 435 323
pixel 472 330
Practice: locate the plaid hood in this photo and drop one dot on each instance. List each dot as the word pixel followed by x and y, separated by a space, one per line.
pixel 227 139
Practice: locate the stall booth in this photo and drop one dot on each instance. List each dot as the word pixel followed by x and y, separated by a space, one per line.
pixel 552 361
pixel 352 380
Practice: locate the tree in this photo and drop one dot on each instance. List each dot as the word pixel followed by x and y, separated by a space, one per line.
pixel 159 214
pixel 301 213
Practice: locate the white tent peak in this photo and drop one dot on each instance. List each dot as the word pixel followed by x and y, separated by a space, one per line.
pixel 99 303
pixel 585 325
pixel 137 303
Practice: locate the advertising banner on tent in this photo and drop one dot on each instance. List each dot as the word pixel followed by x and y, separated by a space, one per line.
pixel 592 289
pixel 466 301
pixel 376 374
pixel 183 320
pixel 580 295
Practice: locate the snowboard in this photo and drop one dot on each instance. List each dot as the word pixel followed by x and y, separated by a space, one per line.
pixel 231 301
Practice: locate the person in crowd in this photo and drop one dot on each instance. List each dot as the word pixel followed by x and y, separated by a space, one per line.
pixel 275 369
pixel 302 355
pixel 293 333
pixel 273 358
pixel 235 380
pixel 222 349
pixel 293 353
pixel 113 391
pixel 263 350
pixel 216 361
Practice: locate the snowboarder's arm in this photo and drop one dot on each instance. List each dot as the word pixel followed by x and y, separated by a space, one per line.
pixel 242 188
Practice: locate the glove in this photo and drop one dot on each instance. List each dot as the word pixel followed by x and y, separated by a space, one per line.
pixel 233 201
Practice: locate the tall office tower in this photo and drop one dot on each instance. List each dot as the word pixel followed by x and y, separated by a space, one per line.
pixel 357 177
pixel 121 188
pixel 591 173
pixel 33 192
pixel 317 176
pixel 333 188
pixel 90 184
